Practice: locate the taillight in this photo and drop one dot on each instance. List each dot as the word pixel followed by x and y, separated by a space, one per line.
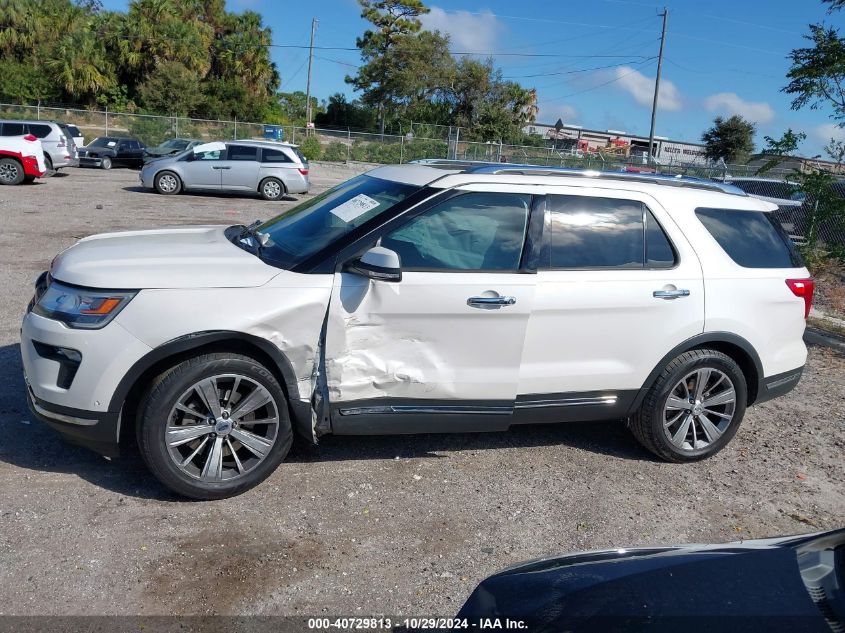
pixel 304 172
pixel 30 138
pixel 803 288
pixel 62 141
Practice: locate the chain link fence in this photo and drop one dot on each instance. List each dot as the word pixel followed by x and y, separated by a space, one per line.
pixel 805 222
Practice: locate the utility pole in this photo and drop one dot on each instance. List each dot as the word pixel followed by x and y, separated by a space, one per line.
pixel 308 83
pixel 651 158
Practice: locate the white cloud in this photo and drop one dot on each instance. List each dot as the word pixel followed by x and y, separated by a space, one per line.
pixel 730 103
pixel 468 32
pixel 641 88
pixel 551 113
pixel 823 133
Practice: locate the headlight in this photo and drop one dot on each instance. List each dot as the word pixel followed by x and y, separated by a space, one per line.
pixel 81 307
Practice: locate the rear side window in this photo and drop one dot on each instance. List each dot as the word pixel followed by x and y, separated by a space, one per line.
pixel 593 233
pixel 752 239
pixel 40 130
pixel 243 152
pixel 299 155
pixel 274 156
pixel 13 129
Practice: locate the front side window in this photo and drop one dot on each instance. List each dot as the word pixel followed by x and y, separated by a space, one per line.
pixel 214 154
pixel 752 239
pixel 243 152
pixel 472 231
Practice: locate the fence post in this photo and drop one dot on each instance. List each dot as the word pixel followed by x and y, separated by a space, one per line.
pixel 401 149
pixel 177 125
pixel 38 111
pixel 235 133
pixel 107 120
pixel 348 143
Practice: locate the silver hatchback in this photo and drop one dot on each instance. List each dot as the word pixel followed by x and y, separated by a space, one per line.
pixel 268 168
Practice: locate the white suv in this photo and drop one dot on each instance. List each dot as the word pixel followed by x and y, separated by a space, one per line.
pixel 422 298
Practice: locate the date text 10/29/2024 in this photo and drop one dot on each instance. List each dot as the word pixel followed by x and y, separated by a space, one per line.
pixel 415 624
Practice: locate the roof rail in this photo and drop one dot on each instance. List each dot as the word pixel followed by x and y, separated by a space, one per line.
pixel 656 179
pixel 510 169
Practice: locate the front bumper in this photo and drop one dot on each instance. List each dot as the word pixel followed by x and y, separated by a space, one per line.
pixel 86 161
pixel 96 430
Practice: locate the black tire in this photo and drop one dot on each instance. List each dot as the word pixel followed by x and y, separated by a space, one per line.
pixel 168 177
pixel 158 403
pixel 647 424
pixel 105 163
pixel 272 189
pixel 11 171
pixel 48 162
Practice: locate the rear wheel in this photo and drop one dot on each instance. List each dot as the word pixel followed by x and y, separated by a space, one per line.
pixel 167 183
pixel 214 426
pixel 11 172
pixel 271 189
pixel 694 407
pixel 48 162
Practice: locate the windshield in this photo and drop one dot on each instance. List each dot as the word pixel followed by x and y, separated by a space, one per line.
pixel 103 141
pixel 311 226
pixel 174 144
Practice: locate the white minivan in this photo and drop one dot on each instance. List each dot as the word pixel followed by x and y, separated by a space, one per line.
pixel 442 297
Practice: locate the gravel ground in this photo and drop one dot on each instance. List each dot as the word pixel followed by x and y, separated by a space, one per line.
pixel 395 525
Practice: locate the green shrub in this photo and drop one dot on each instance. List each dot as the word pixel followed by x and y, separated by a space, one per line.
pixel 150 130
pixel 310 148
pixel 336 152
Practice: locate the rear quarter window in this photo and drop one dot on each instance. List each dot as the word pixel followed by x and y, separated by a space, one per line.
pixel 752 239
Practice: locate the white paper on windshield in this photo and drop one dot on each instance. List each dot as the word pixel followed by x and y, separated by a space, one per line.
pixel 355 207
pixel 111 143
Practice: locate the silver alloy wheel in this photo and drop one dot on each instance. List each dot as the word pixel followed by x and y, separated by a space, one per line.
pixel 699 409
pixel 8 172
pixel 167 183
pixel 272 189
pixel 222 428
pixel 106 163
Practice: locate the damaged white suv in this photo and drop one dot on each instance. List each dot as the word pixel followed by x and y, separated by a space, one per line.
pixel 440 297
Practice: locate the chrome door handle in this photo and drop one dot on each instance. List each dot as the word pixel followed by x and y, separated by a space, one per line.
pixel 671 294
pixel 480 302
pixel 221 167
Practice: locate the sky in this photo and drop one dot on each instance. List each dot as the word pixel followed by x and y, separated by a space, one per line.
pixel 593 62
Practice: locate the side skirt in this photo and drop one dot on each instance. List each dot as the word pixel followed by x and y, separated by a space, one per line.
pixel 388 416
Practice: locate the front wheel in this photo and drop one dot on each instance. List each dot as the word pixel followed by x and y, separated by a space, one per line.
pixel 214 426
pixel 105 163
pixel 167 183
pixel 694 407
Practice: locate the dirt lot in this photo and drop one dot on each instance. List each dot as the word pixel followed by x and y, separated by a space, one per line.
pixel 403 525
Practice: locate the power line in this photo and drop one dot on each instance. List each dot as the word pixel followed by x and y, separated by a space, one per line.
pixel 601 85
pixel 571 72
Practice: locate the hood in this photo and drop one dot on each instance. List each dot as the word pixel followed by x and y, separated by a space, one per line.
pixel 650 586
pixel 181 257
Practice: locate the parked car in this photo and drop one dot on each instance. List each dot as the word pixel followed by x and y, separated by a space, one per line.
pixel 265 167
pixel 787 195
pixel 170 147
pixel 422 298
pixel 56 140
pixel 76 134
pixel 794 583
pixel 106 152
pixel 21 159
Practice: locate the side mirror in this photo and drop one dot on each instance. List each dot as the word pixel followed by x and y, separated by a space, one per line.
pixel 377 263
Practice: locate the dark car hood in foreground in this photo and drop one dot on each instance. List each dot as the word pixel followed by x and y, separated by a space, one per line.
pixel 750 586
